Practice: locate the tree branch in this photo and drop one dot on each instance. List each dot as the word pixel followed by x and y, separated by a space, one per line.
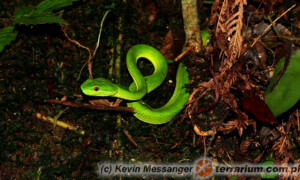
pixel 90 106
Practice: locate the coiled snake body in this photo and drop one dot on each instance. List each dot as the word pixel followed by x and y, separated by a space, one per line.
pixel 143 85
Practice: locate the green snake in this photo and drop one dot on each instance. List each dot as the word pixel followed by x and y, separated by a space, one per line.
pixel 143 85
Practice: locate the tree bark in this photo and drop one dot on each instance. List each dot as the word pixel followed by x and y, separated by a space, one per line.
pixel 191 24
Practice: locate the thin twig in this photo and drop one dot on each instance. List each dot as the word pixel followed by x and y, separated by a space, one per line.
pixel 100 31
pixel 90 106
pixel 84 47
pixel 74 41
pixel 58 123
pixel 130 137
pixel 259 37
pixel 180 56
pixel 81 70
pixel 92 53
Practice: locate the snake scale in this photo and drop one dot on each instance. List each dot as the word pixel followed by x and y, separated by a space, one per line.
pixel 143 85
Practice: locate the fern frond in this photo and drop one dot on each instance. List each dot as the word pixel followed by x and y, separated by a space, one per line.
pixel 222 18
pixel 235 25
pixel 231 19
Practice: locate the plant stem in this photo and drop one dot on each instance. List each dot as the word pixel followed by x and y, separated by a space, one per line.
pixel 191 24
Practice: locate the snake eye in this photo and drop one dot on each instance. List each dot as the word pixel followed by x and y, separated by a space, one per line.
pixel 96 88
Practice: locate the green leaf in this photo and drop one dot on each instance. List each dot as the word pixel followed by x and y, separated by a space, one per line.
pixel 7 35
pixel 42 13
pixel 38 18
pixel 287 92
pixel 24 12
pixel 52 5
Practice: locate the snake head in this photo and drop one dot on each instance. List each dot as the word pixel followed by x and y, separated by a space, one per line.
pixel 99 87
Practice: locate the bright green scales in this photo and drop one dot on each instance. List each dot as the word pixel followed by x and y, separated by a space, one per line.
pixel 143 85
